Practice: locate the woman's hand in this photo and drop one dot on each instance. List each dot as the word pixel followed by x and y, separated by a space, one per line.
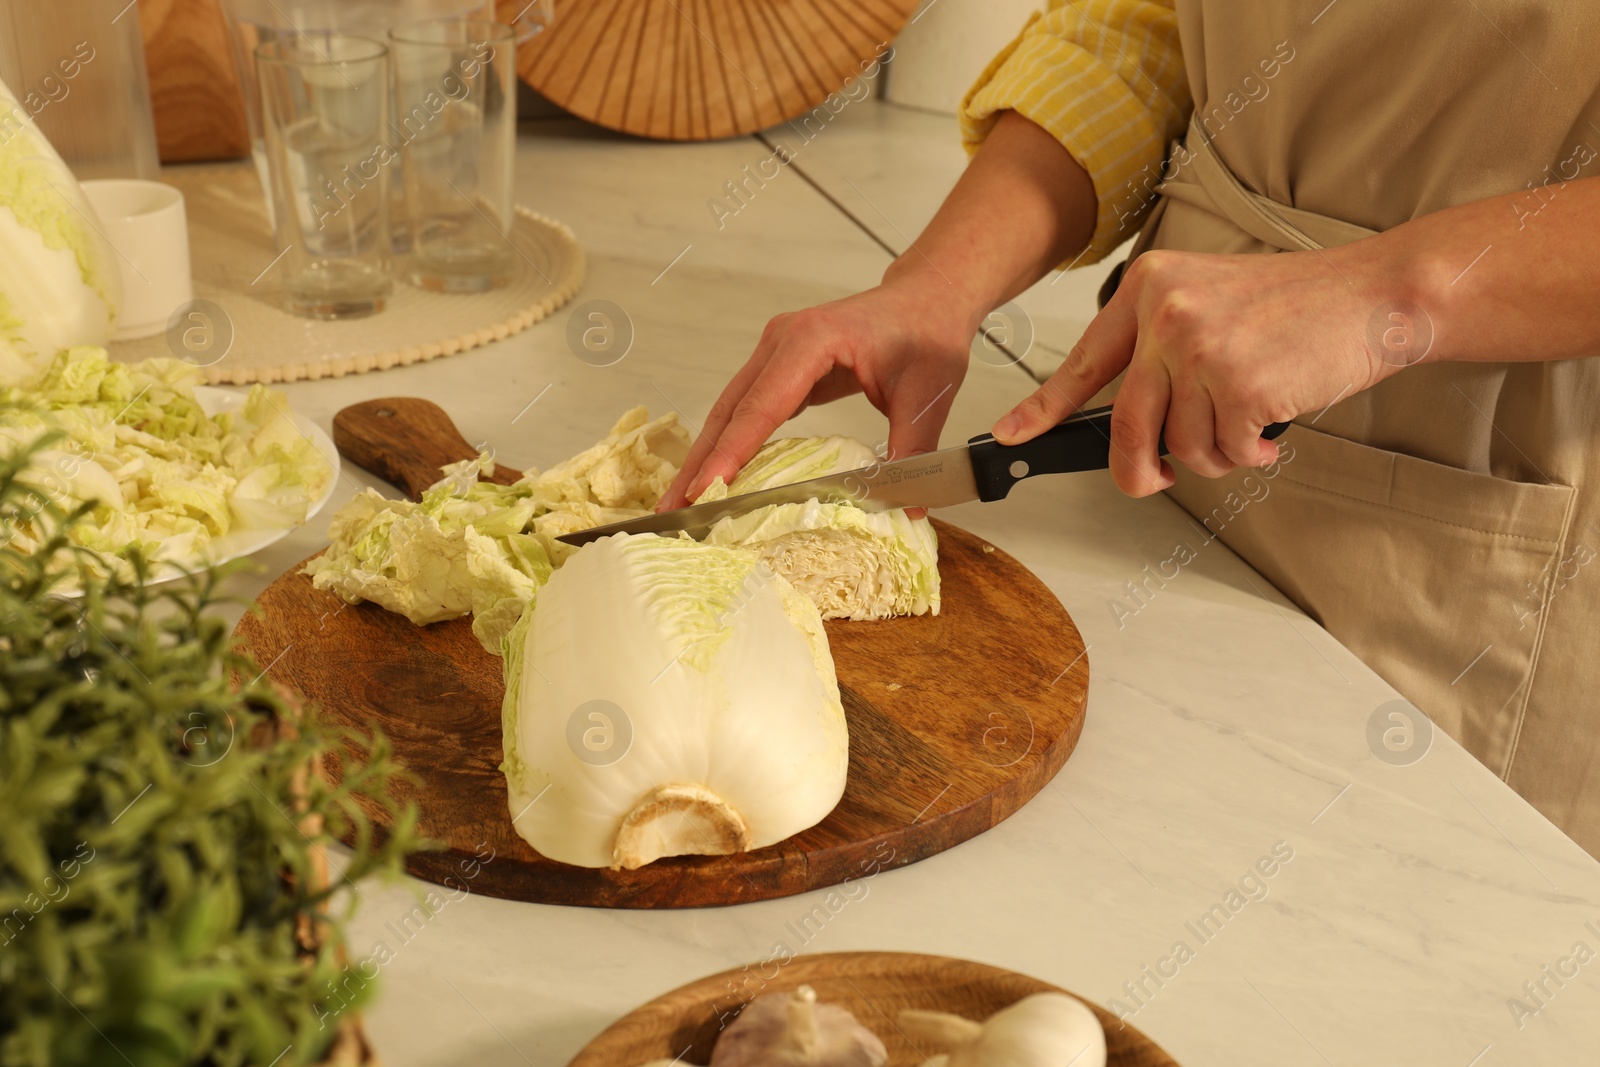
pixel 1218 346
pixel 904 344
pixel 1023 205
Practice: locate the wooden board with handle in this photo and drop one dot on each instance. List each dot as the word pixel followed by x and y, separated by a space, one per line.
pixel 955 720
pixel 873 986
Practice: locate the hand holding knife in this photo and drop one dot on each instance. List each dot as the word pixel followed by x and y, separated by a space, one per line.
pixel 982 469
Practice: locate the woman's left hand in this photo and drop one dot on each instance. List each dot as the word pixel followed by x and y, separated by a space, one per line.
pixel 1218 346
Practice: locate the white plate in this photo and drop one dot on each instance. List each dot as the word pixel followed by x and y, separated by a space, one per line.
pixel 236 544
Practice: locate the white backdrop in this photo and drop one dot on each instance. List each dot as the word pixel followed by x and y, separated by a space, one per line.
pixel 939 54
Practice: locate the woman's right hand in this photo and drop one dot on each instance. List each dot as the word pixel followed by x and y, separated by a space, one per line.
pixel 903 343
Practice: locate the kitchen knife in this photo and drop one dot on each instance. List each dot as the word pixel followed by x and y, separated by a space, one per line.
pixel 983 469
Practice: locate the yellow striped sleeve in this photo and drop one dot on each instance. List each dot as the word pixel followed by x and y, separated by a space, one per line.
pixel 1106 78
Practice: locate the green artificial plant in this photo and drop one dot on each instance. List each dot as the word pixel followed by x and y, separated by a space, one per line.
pixel 161 898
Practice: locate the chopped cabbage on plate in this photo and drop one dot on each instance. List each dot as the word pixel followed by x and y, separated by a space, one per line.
pixel 160 471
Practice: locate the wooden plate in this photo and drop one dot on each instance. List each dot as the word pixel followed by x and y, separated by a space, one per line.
pixel 873 986
pixel 955 722
pixel 689 70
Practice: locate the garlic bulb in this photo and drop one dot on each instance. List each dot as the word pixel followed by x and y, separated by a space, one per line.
pixel 793 1030
pixel 668 698
pixel 1044 1030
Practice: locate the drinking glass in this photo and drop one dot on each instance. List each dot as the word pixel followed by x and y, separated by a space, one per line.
pixel 456 124
pixel 324 116
pixel 78 69
pixel 254 22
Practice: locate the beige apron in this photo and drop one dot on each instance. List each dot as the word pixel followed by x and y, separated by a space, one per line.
pixel 1445 525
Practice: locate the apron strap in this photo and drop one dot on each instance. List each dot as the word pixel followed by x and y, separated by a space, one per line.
pixel 1206 182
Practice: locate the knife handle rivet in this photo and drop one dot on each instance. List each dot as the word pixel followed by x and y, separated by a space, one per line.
pixel 1019 468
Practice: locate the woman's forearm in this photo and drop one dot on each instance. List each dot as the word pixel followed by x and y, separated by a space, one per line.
pixel 1509 278
pixel 1513 278
pixel 1022 207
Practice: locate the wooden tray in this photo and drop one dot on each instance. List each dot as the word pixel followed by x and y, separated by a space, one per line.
pixel 955 721
pixel 874 986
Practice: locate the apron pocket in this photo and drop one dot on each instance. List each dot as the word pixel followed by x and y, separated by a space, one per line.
pixel 1436 577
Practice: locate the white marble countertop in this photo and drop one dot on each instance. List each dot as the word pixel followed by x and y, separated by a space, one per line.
pixel 1222 723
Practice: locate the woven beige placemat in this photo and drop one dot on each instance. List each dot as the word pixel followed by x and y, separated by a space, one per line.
pixel 254 338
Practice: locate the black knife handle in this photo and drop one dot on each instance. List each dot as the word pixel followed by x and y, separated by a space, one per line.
pixel 1081 443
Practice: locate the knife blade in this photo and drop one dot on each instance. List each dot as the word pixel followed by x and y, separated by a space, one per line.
pixel 982 469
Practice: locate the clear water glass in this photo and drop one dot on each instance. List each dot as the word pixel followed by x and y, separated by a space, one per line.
pixel 254 22
pixel 325 102
pixel 456 126
pixel 78 70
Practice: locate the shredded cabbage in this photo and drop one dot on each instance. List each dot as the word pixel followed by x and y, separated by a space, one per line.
pixel 161 473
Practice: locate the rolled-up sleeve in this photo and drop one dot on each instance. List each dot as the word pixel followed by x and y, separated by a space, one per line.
pixel 1106 79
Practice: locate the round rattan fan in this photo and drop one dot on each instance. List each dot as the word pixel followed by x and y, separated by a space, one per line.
pixel 691 70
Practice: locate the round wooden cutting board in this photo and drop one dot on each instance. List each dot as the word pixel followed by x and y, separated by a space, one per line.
pixel 689 70
pixel 955 720
pixel 873 986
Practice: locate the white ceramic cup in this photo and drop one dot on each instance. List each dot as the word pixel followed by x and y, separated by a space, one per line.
pixel 146 225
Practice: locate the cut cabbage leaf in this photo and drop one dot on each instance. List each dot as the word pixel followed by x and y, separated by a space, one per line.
pixel 59 283
pixel 854 564
pixel 474 547
pixel 800 459
pixel 630 469
pixel 720 730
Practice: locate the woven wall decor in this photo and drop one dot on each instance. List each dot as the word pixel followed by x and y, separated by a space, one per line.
pixel 694 70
